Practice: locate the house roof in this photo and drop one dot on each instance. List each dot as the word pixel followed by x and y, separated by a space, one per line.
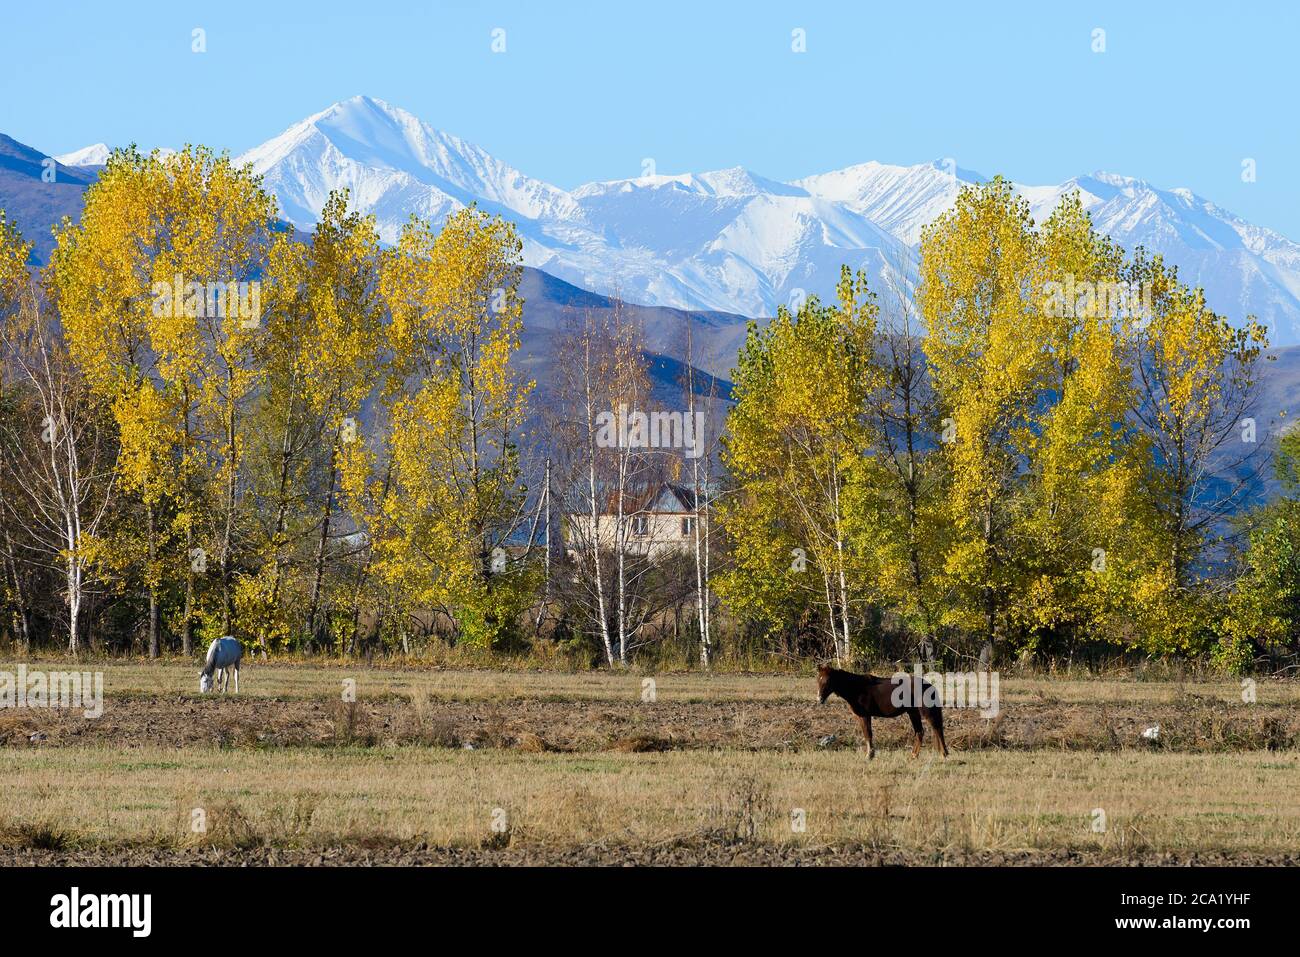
pixel 662 498
pixel 669 498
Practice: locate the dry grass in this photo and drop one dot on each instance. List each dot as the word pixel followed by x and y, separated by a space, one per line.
pixel 996 801
pixel 493 762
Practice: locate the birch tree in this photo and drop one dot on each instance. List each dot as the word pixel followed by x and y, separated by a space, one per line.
pixel 700 398
pixel 64 464
pixel 609 474
pixel 580 394
pixel 797 443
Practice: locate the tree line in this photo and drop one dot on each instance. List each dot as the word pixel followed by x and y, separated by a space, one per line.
pixel 211 425
pixel 1039 444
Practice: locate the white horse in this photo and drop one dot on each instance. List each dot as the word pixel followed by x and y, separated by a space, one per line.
pixel 224 654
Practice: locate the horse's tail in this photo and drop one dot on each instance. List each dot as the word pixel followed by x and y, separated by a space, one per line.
pixel 936 710
pixel 936 718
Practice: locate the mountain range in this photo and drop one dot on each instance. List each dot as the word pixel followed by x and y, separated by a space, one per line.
pixel 37 194
pixel 728 243
pixel 732 240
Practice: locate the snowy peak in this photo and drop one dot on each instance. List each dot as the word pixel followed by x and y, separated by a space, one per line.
pixel 96 155
pixel 733 183
pixel 381 151
pixel 1134 212
pixel 727 240
pixel 1244 269
pixel 901 199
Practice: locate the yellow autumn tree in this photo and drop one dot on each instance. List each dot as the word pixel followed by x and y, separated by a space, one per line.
pixel 14 252
pixel 101 279
pixel 1195 387
pixel 441 489
pixel 1083 456
pixel 986 343
pixel 13 263
pixel 324 322
pixel 214 223
pixel 797 443
pixel 159 288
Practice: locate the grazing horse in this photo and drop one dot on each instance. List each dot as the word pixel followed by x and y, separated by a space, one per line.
pixel 224 654
pixel 871 697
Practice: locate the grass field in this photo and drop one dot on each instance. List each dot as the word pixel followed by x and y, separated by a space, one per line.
pixel 520 767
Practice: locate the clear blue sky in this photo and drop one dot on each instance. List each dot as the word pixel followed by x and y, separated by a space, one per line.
pixel 585 91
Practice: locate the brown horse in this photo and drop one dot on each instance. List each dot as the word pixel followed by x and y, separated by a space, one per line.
pixel 871 697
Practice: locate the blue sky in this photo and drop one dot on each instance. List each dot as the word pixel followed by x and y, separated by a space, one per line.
pixel 1183 93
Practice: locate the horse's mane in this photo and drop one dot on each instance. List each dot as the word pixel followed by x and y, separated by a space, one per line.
pixel 848 681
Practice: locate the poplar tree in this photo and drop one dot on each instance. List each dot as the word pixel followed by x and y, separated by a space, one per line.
pixel 443 482
pixel 1078 552
pixel 1196 381
pixel 987 346
pixel 324 321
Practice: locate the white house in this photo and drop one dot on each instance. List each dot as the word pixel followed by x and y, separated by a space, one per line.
pixel 658 521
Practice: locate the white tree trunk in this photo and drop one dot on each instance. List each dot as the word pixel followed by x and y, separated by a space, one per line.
pixel 593 495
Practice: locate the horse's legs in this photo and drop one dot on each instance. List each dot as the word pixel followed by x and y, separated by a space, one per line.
pixel 237 687
pixel 935 717
pixel 915 717
pixel 865 721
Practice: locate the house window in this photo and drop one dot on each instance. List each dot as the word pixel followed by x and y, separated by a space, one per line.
pixel 688 525
pixel 640 525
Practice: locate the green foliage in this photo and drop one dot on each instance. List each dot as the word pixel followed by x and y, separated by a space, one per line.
pixel 1265 606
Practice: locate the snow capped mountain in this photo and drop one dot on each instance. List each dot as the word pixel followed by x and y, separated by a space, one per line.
pixel 728 240
pixel 395 165
pixel 901 199
pixel 734 182
pixel 96 155
pixel 732 240
pixel 1244 269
